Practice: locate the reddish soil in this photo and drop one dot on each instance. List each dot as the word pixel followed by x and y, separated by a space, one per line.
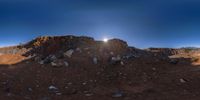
pixel 140 78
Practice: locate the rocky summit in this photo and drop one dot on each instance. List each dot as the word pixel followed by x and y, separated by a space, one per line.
pixel 81 68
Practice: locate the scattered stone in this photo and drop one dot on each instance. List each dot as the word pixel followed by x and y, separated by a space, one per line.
pixel 84 83
pixel 79 50
pixel 122 63
pixel 153 68
pixel 58 93
pixel 173 61
pixel 41 62
pixel 111 53
pixel 129 56
pixel 58 63
pixel 53 64
pixel 115 60
pixel 70 83
pixel 95 61
pixel 45 98
pixel 118 94
pixel 30 89
pixel 182 80
pixel 87 93
pixel 69 53
pixel 52 88
pixel 66 63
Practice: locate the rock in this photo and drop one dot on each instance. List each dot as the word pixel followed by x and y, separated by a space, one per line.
pixel 58 93
pixel 122 63
pixel 66 64
pixel 111 53
pixel 95 61
pixel 30 89
pixel 129 56
pixel 41 62
pixel 84 83
pixel 53 57
pixel 53 88
pixel 53 64
pixel 118 94
pixel 173 61
pixel 182 80
pixel 69 53
pixel 79 50
pixel 45 98
pixel 58 63
pixel 115 60
pixel 88 94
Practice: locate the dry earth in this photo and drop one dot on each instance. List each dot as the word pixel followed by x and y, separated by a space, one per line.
pixel 97 72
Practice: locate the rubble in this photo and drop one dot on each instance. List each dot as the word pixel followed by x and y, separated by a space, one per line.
pixel 69 53
pixel 182 80
pixel 95 61
pixel 117 94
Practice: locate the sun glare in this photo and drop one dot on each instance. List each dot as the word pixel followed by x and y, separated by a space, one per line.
pixel 105 40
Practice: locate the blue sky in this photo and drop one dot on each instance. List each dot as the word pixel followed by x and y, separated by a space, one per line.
pixel 142 23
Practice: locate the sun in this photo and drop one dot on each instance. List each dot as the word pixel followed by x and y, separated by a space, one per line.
pixel 105 40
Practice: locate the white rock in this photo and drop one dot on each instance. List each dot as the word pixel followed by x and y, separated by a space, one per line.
pixel 41 62
pixel 78 49
pixel 118 58
pixel 95 61
pixel 53 64
pixel 30 89
pixel 117 94
pixel 182 80
pixel 69 53
pixel 84 83
pixel 66 64
pixel 53 87
pixel 122 63
pixel 58 93
pixel 111 53
pixel 53 57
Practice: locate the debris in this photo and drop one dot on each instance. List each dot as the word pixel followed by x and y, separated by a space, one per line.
pixel 52 88
pixel 66 63
pixel 69 53
pixel 79 50
pixel 87 93
pixel 95 61
pixel 115 60
pixel 41 62
pixel 53 64
pixel 173 61
pixel 30 89
pixel 182 80
pixel 122 63
pixel 118 94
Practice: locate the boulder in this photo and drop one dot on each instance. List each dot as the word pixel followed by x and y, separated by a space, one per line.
pixel 95 60
pixel 69 53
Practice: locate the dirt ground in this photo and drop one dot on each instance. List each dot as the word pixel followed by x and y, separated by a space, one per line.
pixel 138 79
pixel 92 71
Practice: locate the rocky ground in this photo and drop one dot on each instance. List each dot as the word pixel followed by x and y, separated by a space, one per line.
pixel 80 68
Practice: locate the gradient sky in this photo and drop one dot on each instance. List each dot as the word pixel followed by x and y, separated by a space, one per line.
pixel 142 23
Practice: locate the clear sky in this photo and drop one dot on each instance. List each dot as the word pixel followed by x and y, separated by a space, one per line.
pixel 142 23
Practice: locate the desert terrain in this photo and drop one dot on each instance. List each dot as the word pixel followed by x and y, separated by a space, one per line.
pixel 81 68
